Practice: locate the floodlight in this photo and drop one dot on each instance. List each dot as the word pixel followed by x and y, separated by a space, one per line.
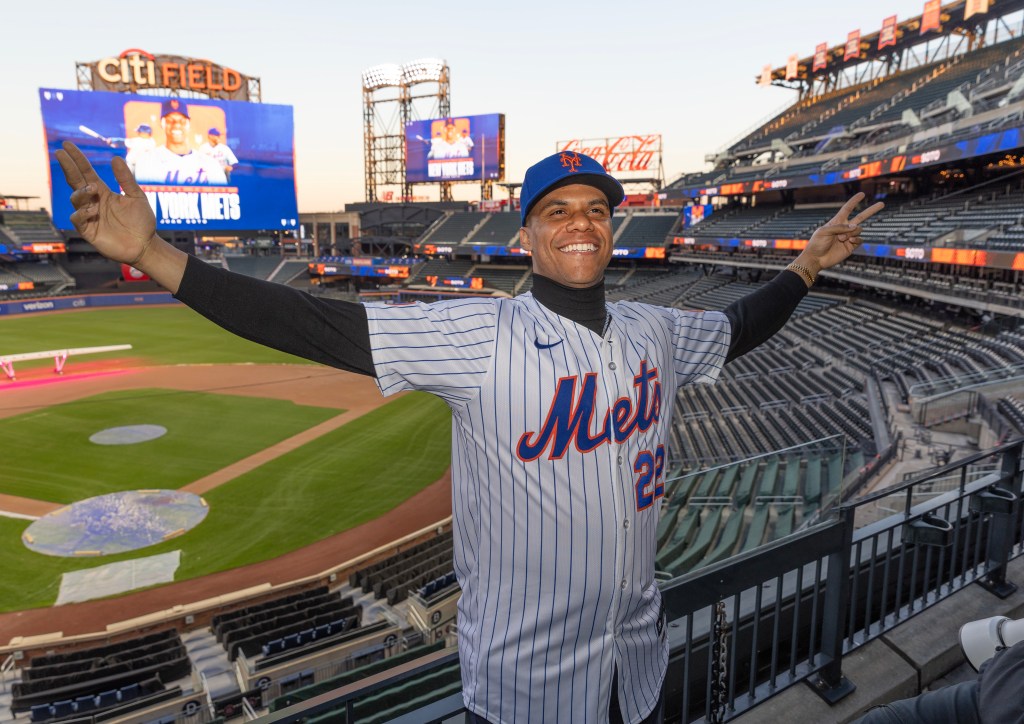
pixel 423 70
pixel 382 76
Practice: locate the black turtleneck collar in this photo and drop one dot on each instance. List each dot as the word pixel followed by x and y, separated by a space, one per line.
pixel 583 306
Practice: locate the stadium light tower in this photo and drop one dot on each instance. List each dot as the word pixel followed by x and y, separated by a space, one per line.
pixel 393 95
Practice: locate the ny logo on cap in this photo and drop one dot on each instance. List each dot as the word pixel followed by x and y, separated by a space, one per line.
pixel 571 161
pixel 174 104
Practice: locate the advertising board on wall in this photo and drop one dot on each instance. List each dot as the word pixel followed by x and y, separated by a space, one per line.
pixel 624 157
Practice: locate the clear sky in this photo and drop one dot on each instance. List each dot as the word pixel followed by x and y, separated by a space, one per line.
pixel 558 69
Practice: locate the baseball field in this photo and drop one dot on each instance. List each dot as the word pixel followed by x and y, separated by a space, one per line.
pixel 284 452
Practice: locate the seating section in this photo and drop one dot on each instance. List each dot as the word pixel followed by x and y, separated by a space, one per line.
pixel 260 267
pixel 643 229
pixel 990 217
pixel 104 677
pixel 27 227
pixel 291 622
pixel 393 577
pixel 454 228
pixel 349 677
pixel 501 229
pixel 288 271
pixel 505 279
pixel 439 586
pixel 393 701
pixel 710 515
pixel 446 268
pixel 1013 410
pixel 870 116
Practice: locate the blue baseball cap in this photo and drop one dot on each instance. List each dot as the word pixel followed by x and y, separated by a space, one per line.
pixel 563 169
pixel 213 132
pixel 143 128
pixel 173 105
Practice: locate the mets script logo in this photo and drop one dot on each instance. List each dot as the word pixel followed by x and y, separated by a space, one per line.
pixel 571 161
pixel 570 418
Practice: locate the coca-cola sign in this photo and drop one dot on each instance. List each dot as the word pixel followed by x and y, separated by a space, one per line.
pixel 621 156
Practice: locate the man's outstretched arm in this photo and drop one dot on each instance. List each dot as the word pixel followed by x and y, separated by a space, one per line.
pixel 123 228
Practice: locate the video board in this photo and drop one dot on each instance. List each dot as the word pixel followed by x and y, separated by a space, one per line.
pixel 457 148
pixel 203 163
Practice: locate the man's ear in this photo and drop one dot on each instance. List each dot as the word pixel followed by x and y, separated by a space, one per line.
pixel 524 239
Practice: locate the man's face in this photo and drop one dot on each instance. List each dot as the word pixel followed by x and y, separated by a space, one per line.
pixel 569 234
pixel 175 126
pixel 214 140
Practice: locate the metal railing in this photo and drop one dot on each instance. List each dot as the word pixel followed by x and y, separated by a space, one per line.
pixel 744 629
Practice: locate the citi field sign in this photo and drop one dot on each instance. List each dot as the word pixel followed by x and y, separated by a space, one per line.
pixel 623 155
pixel 135 69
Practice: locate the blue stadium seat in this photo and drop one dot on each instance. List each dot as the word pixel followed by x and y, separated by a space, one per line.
pixel 63 708
pixel 107 698
pixel 130 692
pixel 42 712
pixel 291 641
pixel 85 703
pixel 273 647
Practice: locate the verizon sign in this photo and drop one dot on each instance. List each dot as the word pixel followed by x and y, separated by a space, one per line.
pixel 624 156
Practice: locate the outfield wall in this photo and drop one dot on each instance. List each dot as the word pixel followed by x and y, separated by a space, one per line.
pixel 31 306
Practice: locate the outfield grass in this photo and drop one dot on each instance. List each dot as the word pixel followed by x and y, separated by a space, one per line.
pixel 161 335
pixel 340 480
pixel 48 456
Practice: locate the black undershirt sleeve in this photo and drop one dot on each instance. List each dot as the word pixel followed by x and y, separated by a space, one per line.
pixel 330 331
pixel 760 314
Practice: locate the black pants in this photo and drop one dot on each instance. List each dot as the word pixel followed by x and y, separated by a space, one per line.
pixel 614 710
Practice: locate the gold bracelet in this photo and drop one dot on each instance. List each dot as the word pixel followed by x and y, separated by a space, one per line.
pixel 804 272
pixel 145 248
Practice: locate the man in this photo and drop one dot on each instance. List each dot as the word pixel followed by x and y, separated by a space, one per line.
pixel 561 408
pixel 175 163
pixel 220 152
pixel 139 145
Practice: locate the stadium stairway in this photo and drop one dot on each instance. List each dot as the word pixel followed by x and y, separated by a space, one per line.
pixel 210 661
pixel 5 695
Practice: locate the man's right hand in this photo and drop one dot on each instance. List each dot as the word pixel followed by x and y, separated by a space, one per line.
pixel 122 228
pixel 118 226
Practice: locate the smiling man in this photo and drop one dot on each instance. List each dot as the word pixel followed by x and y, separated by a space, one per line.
pixel 561 412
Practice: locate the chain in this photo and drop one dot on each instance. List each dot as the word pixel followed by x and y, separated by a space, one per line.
pixel 719 662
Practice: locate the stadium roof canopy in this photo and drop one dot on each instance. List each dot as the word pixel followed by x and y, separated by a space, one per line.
pixel 908 34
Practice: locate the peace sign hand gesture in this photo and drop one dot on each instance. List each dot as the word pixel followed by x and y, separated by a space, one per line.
pixel 836 240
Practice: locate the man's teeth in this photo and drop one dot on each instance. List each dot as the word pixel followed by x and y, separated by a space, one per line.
pixel 578 247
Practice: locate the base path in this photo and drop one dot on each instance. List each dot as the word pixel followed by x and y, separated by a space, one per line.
pixel 303 384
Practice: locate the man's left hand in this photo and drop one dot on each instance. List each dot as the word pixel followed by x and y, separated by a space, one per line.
pixel 836 240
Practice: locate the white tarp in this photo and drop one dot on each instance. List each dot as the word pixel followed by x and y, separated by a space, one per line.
pixel 115 578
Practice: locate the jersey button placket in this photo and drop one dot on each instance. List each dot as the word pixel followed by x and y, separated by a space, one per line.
pixel 623 475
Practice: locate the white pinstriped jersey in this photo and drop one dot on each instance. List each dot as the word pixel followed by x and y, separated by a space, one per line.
pixel 558 455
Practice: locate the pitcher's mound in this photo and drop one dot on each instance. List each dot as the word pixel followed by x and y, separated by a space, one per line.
pixel 115 523
pixel 128 434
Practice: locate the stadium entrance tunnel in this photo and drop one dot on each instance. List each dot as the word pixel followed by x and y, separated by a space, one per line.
pixel 115 523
